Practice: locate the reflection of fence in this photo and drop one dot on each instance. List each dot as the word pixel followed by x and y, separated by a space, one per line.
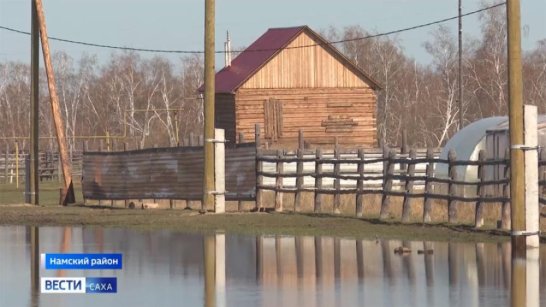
pixel 316 265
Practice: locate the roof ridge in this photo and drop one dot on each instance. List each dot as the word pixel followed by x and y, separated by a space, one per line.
pixel 266 47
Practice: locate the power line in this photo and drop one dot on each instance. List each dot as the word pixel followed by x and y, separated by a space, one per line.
pixel 257 50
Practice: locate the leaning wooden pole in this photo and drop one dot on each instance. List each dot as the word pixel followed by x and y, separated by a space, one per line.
pixel 68 192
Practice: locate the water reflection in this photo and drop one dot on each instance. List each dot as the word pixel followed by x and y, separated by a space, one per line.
pixel 34 233
pixel 175 269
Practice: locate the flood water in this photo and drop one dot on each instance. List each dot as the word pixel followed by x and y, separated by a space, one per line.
pixel 163 268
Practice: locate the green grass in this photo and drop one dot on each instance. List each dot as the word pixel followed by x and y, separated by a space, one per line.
pixel 49 193
pixel 13 212
pixel 244 223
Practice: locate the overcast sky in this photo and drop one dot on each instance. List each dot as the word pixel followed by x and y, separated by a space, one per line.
pixel 170 24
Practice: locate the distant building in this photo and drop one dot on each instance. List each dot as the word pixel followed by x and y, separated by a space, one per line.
pixel 291 79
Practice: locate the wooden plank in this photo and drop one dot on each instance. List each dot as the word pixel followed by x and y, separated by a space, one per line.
pixel 478 217
pixel 408 188
pixel 427 201
pixel 453 189
pixel 6 164
pixel 299 172
pixel 278 183
pixel 388 171
pixel 360 184
pixel 506 219
pixel 337 181
pixel 318 182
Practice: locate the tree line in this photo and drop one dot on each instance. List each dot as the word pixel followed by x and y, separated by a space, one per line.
pixel 154 101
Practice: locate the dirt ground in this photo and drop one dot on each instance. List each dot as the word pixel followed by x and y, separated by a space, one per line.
pixel 180 218
pixel 245 223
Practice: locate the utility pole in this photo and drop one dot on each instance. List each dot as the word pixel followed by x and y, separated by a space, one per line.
pixel 517 169
pixel 460 79
pixel 208 162
pixel 68 190
pixel 34 104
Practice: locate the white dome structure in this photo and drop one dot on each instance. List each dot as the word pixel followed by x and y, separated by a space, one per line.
pixel 467 143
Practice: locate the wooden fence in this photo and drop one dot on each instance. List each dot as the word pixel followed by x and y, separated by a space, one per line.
pixel 12 166
pixel 391 174
pixel 397 177
pixel 385 172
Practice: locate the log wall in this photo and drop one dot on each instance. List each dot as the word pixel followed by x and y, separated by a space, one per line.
pixel 225 115
pixel 323 114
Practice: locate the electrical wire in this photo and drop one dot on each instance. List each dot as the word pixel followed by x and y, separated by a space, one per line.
pixel 261 50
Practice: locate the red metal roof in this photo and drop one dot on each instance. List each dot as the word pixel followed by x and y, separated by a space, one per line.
pixel 248 62
pixel 252 58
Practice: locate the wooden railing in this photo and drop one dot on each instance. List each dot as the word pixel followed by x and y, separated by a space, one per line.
pixel 12 166
pixel 389 174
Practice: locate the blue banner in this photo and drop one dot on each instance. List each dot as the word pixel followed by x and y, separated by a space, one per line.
pixel 68 285
pixel 83 261
pixel 101 285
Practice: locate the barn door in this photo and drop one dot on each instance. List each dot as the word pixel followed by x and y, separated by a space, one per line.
pixel 273 119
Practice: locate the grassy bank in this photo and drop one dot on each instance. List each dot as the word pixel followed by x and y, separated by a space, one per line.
pixel 245 223
pixel 113 214
pixel 49 193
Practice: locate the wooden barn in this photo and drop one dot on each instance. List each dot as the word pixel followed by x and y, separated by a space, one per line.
pixel 291 79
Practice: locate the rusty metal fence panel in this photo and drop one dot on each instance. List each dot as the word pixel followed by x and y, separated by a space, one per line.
pixel 164 173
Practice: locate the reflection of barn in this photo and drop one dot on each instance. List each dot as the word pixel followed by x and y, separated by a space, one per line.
pixel 291 79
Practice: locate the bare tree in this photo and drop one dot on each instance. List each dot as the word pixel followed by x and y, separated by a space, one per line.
pixel 444 109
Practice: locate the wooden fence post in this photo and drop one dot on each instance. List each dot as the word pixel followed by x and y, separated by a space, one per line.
pixel 337 181
pixel 453 188
pixel 360 184
pixel 427 206
pixel 506 218
pixel 299 173
pixel 279 181
pixel 17 164
pixel 191 141
pixel 404 149
pixel 28 198
pixel 259 167
pixel 84 149
pixel 408 187
pixel 241 141
pixel 480 192
pixel 318 180
pixel 59 167
pixel 387 182
pixel 6 164
pixel 240 202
